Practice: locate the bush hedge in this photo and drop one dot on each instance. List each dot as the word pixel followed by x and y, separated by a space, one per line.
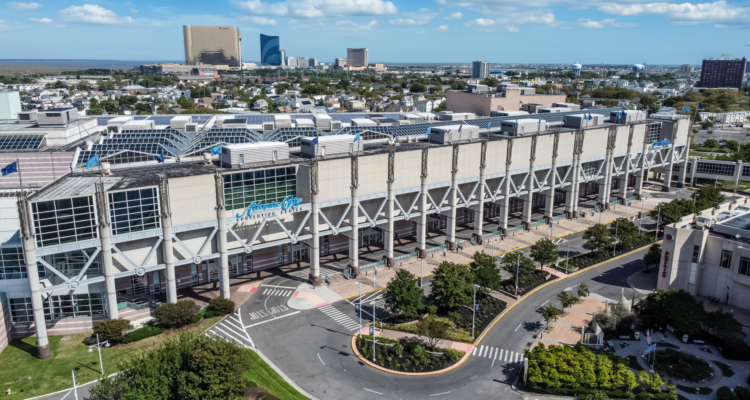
pixel 144 333
pixel 676 364
pixel 175 315
pixel 221 306
pixel 115 330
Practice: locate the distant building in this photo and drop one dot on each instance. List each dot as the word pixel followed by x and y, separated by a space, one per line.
pixel 283 56
pixel 686 69
pixel 10 104
pixel 509 98
pixel 215 45
pixel 357 57
pixel 722 73
pixel 313 62
pixel 339 62
pixel 480 69
pixel 270 53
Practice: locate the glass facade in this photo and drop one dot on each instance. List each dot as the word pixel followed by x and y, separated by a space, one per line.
pixel 270 52
pixel 242 189
pixel 12 263
pixel 744 266
pixel 726 259
pixel 21 310
pixel 75 306
pixel 590 169
pixel 713 168
pixel 71 263
pixel 64 221
pixel 134 210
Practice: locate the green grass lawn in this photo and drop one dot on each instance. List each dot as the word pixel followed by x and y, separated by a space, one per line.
pixel 263 375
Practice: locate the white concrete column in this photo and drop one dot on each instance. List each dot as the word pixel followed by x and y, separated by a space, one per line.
pixel 549 199
pixel 683 169
pixel 641 173
pixel 737 174
pixel 223 257
pixel 168 254
pixel 668 169
pixel 528 198
pixel 450 232
pixel 389 236
pixel 505 202
pixel 422 221
pixel 109 269
pixel 354 233
pixel 43 350
pixel 693 166
pixel 571 191
pixel 479 209
pixel 315 243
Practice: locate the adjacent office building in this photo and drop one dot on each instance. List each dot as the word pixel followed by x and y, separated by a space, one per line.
pixel 480 69
pixel 270 53
pixel 214 45
pixel 723 73
pixel 686 69
pixel 10 104
pixel 357 57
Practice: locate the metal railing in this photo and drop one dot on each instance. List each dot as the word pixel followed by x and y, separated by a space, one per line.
pixel 405 256
pixel 515 228
pixel 535 223
pixel 372 265
pixel 556 217
pixel 438 248
pixel 631 198
pixel 489 235
pixel 612 203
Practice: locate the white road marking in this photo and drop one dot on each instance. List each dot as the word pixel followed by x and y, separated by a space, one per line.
pixel 272 319
pixel 241 324
pixel 474 352
pixel 544 303
pixel 373 391
pixel 481 349
pixel 506 356
pixel 500 358
pixel 518 357
pixel 519 325
pixel 439 394
pixel 321 360
pixel 279 287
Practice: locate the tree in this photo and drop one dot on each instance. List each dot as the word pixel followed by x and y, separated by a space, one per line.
pixel 725 393
pixel 583 290
pixel 417 87
pixel 707 197
pixel 626 231
pixel 732 145
pixel 175 315
pixel 567 299
pixel 451 285
pixel 711 144
pixel 486 274
pixel 722 324
pixel 115 330
pixel 652 382
pixel 491 82
pixel 108 388
pixel 544 252
pixel 403 296
pixel 143 108
pixel 672 212
pixel 598 237
pixel 653 256
pixel 433 328
pixel 512 262
pixel 551 312
pixel 221 306
pixel 95 111
pixel 679 307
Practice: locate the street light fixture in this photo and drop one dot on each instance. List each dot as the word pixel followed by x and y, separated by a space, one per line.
pixel 474 310
pixel 359 305
pixel 373 330
pixel 99 348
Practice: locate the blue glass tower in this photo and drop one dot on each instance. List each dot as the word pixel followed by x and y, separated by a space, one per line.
pixel 269 50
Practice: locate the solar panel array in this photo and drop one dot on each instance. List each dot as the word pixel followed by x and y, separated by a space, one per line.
pixel 173 143
pixel 21 142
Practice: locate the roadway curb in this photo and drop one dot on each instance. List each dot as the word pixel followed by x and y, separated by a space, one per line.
pixel 370 363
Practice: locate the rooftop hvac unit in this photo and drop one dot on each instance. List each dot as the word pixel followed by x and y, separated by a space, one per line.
pixel 335 125
pixel 268 126
pixel 191 127
pixel 112 129
pixel 30 116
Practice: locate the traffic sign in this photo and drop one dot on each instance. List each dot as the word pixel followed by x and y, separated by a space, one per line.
pixel 376 271
pixel 476 306
pixel 372 330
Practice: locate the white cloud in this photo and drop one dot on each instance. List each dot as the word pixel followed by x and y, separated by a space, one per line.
pixel 455 15
pixel 42 20
pixel 720 13
pixel 509 22
pixel 260 20
pixel 134 11
pixel 354 25
pixel 420 17
pixel 586 23
pixel 317 8
pixel 92 14
pixel 23 6
pixel 5 25
pixel 443 28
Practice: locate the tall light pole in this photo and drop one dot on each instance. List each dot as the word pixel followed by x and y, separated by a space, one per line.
pixel 359 305
pixel 567 255
pixel 614 248
pixel 421 271
pixel 373 331
pixel 658 218
pixel 474 310
pixel 99 348
pixel 518 269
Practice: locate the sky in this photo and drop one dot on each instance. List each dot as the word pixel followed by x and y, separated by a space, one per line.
pixel 414 31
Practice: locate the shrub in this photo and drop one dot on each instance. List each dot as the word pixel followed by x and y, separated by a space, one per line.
pixel 208 314
pixel 197 318
pixel 175 315
pixel 143 333
pixel 742 393
pixel 419 352
pixel 725 393
pixel 398 349
pixel 736 349
pixel 113 329
pixel 221 306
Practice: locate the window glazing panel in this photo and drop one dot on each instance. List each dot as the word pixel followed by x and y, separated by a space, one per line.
pixel 654 131
pixel 74 306
pixel 744 266
pixel 12 263
pixel 134 210
pixel 242 189
pixel 71 263
pixel 590 168
pixel 714 168
pixel 64 221
pixel 696 253
pixel 21 310
pixel 726 259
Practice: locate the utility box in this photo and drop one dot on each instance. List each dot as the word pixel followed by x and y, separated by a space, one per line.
pixel 521 127
pixel 330 145
pixel 627 116
pixel 180 122
pixel 238 155
pixel 449 133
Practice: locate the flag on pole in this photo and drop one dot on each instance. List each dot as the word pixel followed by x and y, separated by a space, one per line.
pixel 685 108
pixel 700 106
pixel 315 141
pixel 356 137
pixel 648 337
pixel 619 113
pixel 428 131
pixel 10 168
pixel 394 133
pixel 565 120
pixel 216 150
pixel 460 127
pixel 489 124
pixel 649 349
pixel 92 162
pixel 160 159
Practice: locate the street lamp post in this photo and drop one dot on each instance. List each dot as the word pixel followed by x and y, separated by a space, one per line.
pixel 518 267
pixel 373 331
pixel 614 248
pixel 658 218
pixel 421 271
pixel 474 310
pixel 99 348
pixel 567 255
pixel 359 305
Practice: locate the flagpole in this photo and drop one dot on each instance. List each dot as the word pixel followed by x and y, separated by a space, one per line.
pixel 18 167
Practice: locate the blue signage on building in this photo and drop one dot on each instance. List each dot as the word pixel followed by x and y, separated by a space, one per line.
pixel 289 202
pixel 664 142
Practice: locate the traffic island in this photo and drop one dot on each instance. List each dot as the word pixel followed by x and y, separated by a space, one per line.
pixel 410 355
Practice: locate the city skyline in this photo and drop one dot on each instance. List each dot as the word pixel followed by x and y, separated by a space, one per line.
pixel 446 30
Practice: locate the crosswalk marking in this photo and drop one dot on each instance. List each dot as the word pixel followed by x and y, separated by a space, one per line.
pixel 231 329
pixel 339 317
pixel 277 292
pixel 495 353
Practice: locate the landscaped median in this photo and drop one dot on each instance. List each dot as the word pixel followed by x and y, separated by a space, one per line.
pixel 409 355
